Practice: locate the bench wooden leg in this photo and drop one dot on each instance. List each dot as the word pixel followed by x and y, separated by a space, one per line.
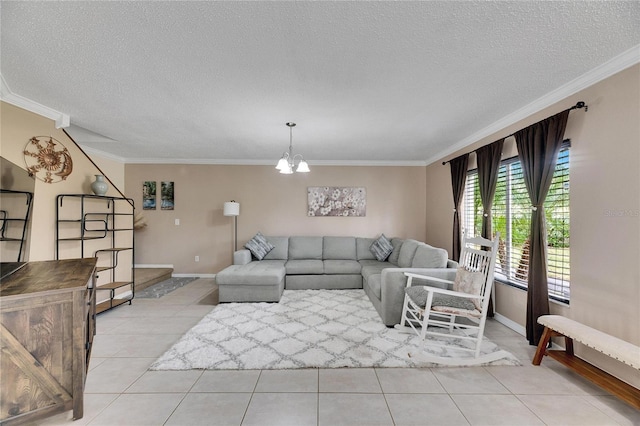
pixel 542 345
pixel 568 344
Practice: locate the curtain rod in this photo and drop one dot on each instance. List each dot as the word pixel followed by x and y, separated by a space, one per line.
pixel 578 105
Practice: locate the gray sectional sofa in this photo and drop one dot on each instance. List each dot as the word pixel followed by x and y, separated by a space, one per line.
pixel 299 263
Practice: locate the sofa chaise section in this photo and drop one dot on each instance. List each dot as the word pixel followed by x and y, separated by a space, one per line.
pixel 248 281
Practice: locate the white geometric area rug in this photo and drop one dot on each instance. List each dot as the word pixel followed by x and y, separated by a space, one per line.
pixel 307 329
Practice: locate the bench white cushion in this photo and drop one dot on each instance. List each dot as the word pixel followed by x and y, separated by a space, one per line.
pixel 614 347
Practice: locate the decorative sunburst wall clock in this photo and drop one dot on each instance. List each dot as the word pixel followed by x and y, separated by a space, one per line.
pixel 47 159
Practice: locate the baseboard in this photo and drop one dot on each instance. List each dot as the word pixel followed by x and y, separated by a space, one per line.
pixel 142 266
pixel 125 295
pixel 194 275
pixel 510 324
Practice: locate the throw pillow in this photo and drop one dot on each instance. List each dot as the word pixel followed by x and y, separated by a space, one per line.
pixel 469 282
pixel 259 246
pixel 381 248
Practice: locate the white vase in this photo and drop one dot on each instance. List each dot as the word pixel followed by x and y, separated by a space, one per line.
pixel 99 186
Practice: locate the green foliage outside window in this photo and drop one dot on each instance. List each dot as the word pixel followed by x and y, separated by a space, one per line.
pixel 511 213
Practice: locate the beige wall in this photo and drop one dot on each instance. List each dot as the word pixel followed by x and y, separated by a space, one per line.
pixel 114 170
pixel 605 206
pixel 271 203
pixel 17 127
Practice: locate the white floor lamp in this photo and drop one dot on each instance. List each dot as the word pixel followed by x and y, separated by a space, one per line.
pixel 232 208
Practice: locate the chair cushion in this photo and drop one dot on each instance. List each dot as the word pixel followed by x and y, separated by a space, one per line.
pixel 381 248
pixel 305 248
pixel 469 282
pixel 281 250
pixel 259 246
pixel 429 257
pixel 339 248
pixel 419 296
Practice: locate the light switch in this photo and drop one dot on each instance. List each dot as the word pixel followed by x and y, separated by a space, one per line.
pixel 177 222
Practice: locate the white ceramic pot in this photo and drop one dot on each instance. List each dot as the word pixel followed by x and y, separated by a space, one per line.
pixel 99 186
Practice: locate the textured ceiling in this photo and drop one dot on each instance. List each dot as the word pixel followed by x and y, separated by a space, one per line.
pixel 364 81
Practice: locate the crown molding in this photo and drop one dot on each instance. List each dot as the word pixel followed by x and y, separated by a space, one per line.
pixel 102 154
pixel 619 63
pixel 227 162
pixel 62 120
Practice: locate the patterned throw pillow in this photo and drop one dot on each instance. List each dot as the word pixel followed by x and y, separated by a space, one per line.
pixel 259 246
pixel 469 282
pixel 381 248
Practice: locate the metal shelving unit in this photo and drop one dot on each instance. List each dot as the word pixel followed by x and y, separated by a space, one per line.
pixel 7 218
pixel 95 218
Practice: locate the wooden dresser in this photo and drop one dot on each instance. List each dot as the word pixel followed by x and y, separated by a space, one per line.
pixel 47 324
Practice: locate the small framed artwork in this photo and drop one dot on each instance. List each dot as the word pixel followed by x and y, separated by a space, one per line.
pixel 166 195
pixel 336 201
pixel 149 195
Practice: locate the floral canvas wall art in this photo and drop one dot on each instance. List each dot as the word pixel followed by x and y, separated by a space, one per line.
pixel 336 201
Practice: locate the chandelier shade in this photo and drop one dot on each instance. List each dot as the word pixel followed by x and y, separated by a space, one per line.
pixel 290 163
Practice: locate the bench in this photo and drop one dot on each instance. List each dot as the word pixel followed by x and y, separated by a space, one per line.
pixel 625 352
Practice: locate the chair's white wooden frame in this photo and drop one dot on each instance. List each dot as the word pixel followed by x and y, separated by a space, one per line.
pixel 418 320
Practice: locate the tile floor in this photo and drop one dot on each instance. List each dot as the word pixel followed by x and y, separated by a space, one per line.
pixel 120 390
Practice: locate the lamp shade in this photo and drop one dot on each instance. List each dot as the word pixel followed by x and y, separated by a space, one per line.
pixel 231 208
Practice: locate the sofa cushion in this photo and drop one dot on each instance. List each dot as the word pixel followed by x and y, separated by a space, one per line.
pixel 381 248
pixel 362 248
pixel 397 244
pixel 339 248
pixel 281 248
pixel 304 266
pixel 259 246
pixel 266 272
pixel 407 251
pixel 429 257
pixel 374 282
pixel 342 266
pixel 373 267
pixel 305 248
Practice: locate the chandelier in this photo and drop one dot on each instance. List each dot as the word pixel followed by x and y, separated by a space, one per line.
pixel 287 163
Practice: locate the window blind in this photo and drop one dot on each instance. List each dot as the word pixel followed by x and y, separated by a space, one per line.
pixel 511 214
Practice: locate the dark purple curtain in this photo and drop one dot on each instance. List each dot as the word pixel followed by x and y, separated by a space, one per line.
pixel 538 147
pixel 488 158
pixel 458 181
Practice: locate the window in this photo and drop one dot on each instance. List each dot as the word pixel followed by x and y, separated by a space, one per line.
pixel 511 217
